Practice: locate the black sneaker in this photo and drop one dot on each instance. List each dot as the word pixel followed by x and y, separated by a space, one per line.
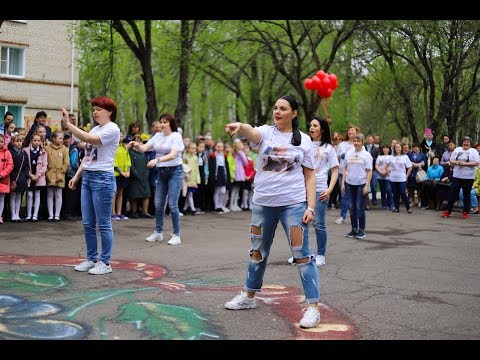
pixel 352 234
pixel 360 234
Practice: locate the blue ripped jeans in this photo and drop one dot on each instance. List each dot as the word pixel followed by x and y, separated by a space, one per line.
pixel 266 218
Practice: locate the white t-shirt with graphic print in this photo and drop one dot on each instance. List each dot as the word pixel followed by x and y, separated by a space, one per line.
pixel 101 157
pixel 358 162
pixel 324 158
pixel 279 179
pixel 382 162
pixel 163 145
pixel 464 172
pixel 399 165
pixel 342 149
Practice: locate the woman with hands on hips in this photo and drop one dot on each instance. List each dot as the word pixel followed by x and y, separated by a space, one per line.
pixel 285 192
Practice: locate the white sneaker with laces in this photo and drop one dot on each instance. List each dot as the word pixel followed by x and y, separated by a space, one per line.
pixel 85 265
pixel 339 220
pixel 155 237
pixel 311 318
pixel 320 260
pixel 175 240
pixel 241 301
pixel 100 269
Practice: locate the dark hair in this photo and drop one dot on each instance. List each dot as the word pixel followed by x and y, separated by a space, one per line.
pixel 171 120
pixel 6 114
pixel 107 104
pixel 325 135
pixel 386 146
pixel 132 125
pixel 467 138
pixel 40 114
pixel 297 137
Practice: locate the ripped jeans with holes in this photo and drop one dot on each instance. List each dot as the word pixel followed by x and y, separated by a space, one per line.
pixel 262 230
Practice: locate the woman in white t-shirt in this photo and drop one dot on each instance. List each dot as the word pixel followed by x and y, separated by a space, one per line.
pixel 464 160
pixel 342 149
pixel 284 192
pixel 384 176
pixel 324 160
pixel 400 168
pixel 356 182
pixel 168 145
pixel 98 182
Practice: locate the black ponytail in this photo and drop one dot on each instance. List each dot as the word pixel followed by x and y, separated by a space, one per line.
pixel 297 137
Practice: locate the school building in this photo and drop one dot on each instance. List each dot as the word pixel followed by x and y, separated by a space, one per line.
pixel 36 70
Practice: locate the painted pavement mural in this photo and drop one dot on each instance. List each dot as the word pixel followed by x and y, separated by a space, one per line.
pixel 38 304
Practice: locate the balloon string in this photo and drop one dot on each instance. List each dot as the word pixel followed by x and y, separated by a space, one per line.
pixel 324 105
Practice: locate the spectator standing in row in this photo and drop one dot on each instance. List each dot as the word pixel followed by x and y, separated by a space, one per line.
pixel 138 183
pixel 464 160
pixel 356 182
pixel 38 161
pixel 6 167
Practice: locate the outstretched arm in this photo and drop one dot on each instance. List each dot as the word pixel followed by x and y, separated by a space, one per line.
pixel 244 130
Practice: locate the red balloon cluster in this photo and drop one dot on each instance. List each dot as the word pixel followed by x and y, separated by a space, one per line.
pixel 322 82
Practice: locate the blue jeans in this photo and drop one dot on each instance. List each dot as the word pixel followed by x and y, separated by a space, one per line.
pixel 386 193
pixel 357 205
pixel 169 182
pixel 373 186
pixel 266 218
pixel 320 224
pixel 98 189
pixel 473 198
pixel 344 203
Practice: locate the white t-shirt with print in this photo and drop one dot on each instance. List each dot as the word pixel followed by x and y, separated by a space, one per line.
pixel 324 158
pixel 101 157
pixel 163 145
pixel 382 162
pixel 279 179
pixel 358 162
pixel 464 172
pixel 342 149
pixel 399 165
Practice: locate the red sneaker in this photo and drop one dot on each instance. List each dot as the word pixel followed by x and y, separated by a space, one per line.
pixel 446 214
pixel 464 215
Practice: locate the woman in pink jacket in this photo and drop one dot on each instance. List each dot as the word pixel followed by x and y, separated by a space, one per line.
pixel 6 167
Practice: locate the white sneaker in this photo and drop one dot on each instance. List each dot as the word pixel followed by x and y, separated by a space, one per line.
pixel 175 240
pixel 155 237
pixel 320 260
pixel 290 261
pixel 311 318
pixel 339 220
pixel 85 266
pixel 241 301
pixel 225 209
pixel 100 269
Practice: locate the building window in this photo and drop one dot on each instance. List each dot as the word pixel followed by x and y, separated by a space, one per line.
pixel 16 110
pixel 12 62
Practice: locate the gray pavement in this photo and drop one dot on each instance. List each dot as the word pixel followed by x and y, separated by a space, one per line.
pixel 414 277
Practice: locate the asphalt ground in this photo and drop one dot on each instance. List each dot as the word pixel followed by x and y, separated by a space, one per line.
pixel 414 277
